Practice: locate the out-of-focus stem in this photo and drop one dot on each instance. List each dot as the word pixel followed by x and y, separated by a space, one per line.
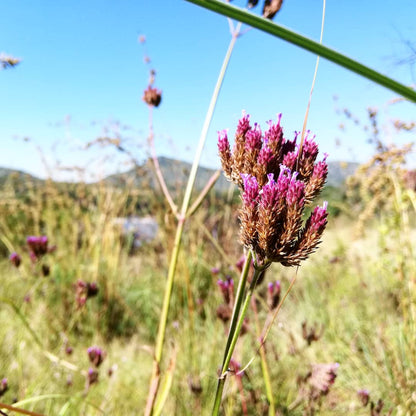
pixel 204 192
pixel 155 161
pixel 237 321
pixel 155 380
pixel 263 361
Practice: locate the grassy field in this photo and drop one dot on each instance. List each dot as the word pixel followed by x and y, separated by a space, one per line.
pixel 350 314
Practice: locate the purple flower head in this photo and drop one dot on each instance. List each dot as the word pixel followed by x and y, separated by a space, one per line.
pixel 38 246
pixel 318 217
pixel 15 259
pixel 253 139
pixel 92 376
pixel 273 198
pixel 273 294
pixel 215 270
pixel 273 286
pixel 364 396
pixel 310 148
pixel 320 170
pixel 296 191
pixel 265 155
pixel 270 193
pixel 243 125
pixel 240 262
pixel 96 355
pixel 3 386
pixel 251 190
pixel 289 159
pixel 221 284
pixel 275 132
pixel 283 181
pixel 223 143
pixel 92 289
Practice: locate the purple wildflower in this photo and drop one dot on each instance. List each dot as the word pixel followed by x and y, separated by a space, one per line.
pixel 15 259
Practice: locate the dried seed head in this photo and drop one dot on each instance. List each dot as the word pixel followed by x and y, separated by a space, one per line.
pixel 152 96
pixel 271 7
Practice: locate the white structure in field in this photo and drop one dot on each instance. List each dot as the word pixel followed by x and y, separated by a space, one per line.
pixel 140 229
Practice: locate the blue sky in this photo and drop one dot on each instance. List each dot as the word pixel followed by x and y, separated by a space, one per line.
pixel 82 76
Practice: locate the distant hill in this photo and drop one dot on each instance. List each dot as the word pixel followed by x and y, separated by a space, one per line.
pixel 18 175
pixel 176 174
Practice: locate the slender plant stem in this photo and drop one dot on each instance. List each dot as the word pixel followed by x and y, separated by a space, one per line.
pixel 237 321
pixel 281 32
pixel 237 304
pixel 155 160
pixel 305 120
pixel 155 380
pixel 263 361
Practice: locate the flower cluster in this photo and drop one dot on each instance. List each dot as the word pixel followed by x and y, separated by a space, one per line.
pixel 38 246
pixel 278 178
pixel 152 96
pixel 84 291
pixel 15 259
pixel 273 295
pixel 96 356
pixel 3 386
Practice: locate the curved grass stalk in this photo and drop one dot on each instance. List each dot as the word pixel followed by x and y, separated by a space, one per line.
pixel 155 379
pixel 38 342
pixel 305 43
pixel 263 362
pixel 305 121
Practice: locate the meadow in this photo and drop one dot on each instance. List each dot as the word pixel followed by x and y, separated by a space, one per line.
pixel 79 319
pixel 272 296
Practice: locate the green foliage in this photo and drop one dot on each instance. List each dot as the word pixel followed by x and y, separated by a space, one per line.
pixel 360 292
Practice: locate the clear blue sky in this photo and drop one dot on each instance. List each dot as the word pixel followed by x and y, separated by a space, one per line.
pixel 82 71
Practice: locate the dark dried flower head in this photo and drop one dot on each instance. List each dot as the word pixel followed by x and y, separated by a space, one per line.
pixel 152 96
pixel 46 270
pixel 96 355
pixel 38 246
pixel 322 377
pixel 224 312
pixel 271 7
pixel 15 259
pixel 92 377
pixel 227 289
pixel 84 291
pixel 311 333
pixel 277 180
pixel 92 289
pixel 273 294
pixel 3 386
pixel 364 396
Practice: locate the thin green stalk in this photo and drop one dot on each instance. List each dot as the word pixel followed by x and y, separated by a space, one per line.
pixel 263 361
pixel 281 32
pixel 234 332
pixel 155 380
pixel 237 304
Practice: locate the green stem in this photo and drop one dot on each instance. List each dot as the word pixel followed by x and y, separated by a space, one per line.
pixel 305 43
pixel 155 379
pixel 263 361
pixel 235 329
pixel 237 303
